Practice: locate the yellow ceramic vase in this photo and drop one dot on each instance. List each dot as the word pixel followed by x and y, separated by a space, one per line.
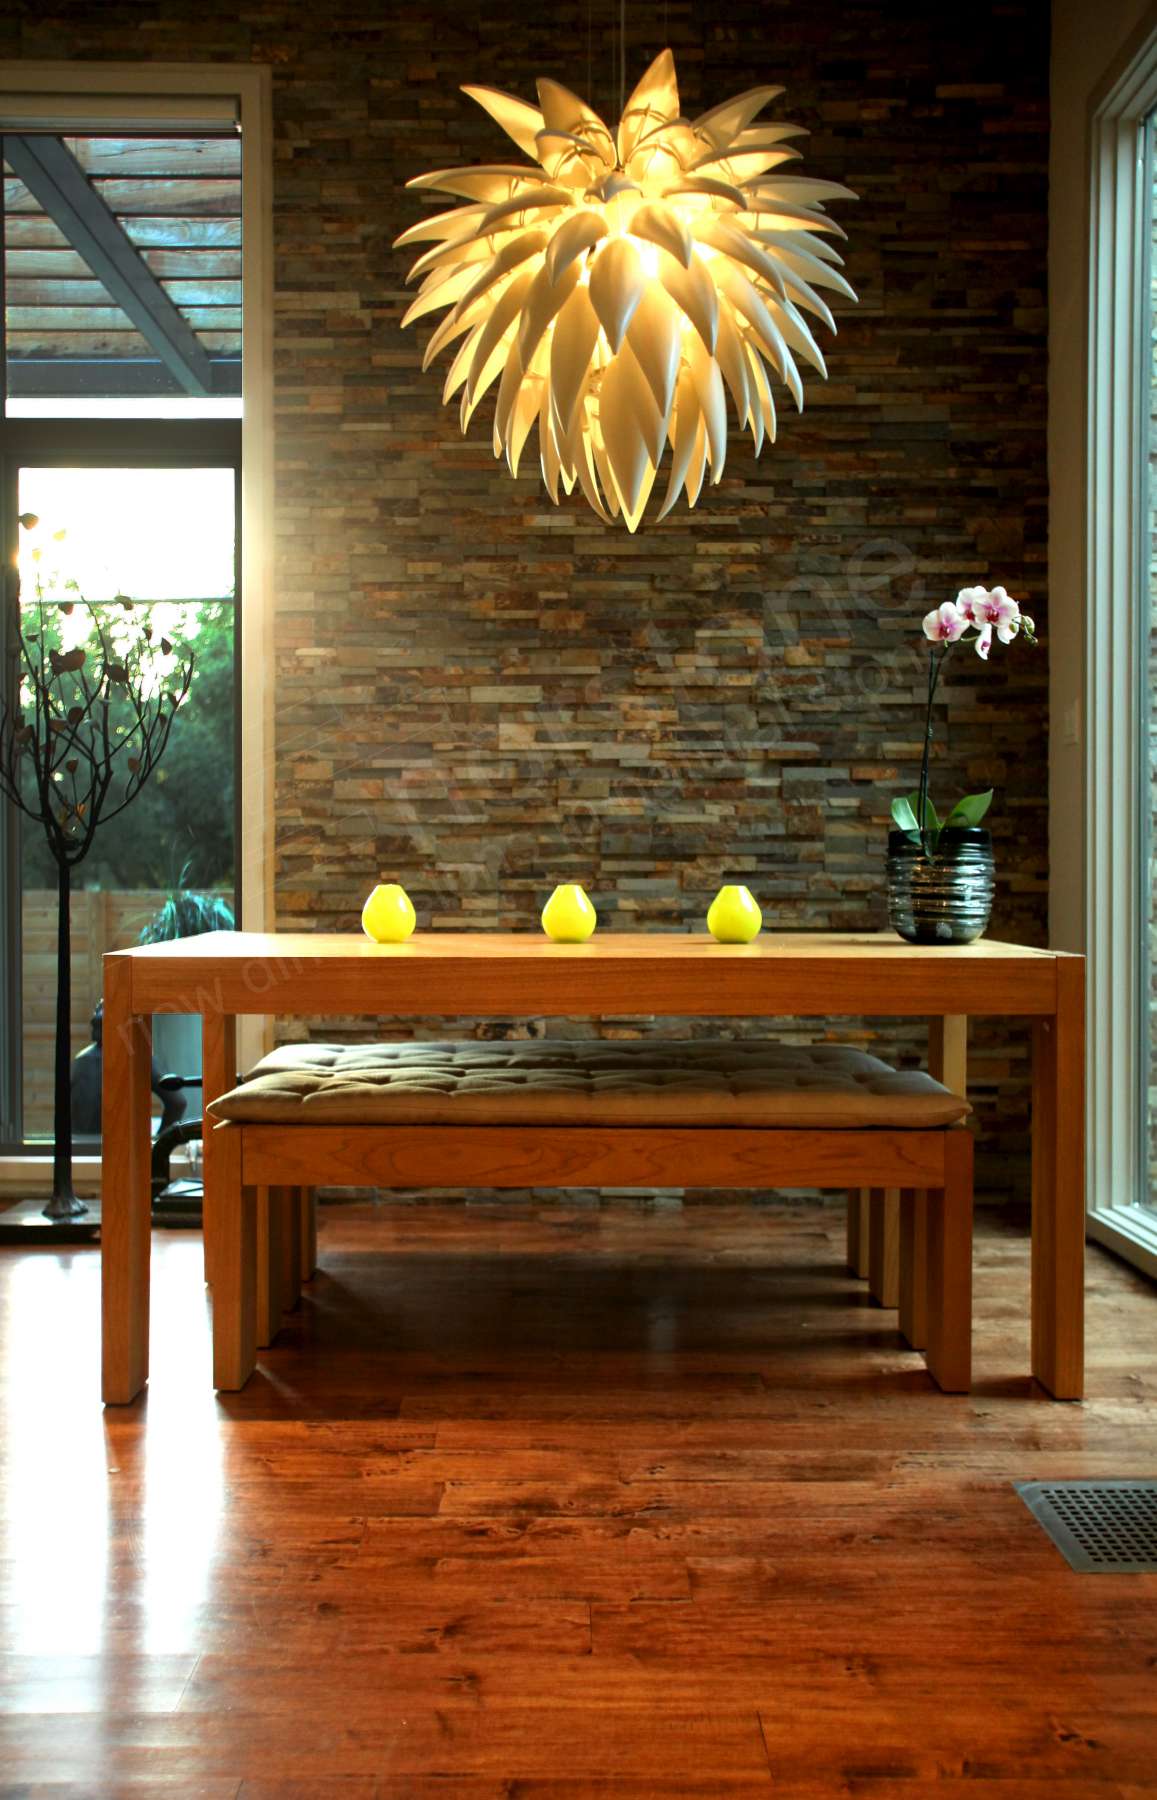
pixel 388 914
pixel 568 916
pixel 734 917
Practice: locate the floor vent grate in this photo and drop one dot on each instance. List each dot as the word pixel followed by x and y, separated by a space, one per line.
pixel 1100 1527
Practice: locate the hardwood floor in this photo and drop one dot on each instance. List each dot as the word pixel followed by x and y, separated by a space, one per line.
pixel 554 1502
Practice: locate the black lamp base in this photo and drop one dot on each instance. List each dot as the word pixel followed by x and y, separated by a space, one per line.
pixel 177 1206
pixel 26 1224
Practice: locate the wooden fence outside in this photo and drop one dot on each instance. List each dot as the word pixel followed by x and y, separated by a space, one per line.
pixel 100 921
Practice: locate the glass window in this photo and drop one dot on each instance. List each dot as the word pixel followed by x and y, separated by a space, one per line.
pixel 120 408
pixel 1106 611
pixel 165 538
pixel 152 533
pixel 123 275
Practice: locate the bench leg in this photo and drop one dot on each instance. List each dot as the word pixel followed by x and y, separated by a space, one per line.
pixel 270 1260
pixel 279 1254
pixel 914 1266
pixel 234 1270
pixel 857 1232
pixel 290 1200
pixel 308 1202
pixel 884 1246
pixel 949 1248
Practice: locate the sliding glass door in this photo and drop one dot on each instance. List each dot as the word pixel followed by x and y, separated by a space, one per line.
pixel 1146 653
pixel 1120 663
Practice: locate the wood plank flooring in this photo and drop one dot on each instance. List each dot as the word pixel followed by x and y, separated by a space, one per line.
pixel 551 1501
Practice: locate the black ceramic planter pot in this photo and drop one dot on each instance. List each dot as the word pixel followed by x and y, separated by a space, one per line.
pixel 942 899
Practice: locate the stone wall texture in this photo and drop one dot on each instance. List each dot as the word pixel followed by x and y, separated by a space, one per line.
pixel 481 694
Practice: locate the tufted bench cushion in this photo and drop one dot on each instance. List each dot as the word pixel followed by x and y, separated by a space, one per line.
pixel 563 1082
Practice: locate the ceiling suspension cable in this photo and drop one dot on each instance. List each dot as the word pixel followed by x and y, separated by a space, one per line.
pixel 622 56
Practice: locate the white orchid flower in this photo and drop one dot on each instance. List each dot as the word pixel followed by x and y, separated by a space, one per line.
pixel 994 611
pixel 945 624
pixel 968 599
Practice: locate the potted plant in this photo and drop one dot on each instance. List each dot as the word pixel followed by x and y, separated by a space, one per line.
pixel 941 876
pixel 185 912
pixel 85 725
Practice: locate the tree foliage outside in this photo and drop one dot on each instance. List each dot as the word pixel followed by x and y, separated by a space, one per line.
pixel 180 831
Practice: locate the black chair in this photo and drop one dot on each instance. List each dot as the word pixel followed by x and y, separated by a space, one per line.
pixel 175 1202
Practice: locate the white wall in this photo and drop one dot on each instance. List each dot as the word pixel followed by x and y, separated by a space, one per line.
pixel 1088 41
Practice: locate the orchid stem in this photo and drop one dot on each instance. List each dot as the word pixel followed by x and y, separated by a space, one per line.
pixel 935 665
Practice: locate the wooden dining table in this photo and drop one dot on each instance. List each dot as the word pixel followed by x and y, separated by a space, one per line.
pixel 225 975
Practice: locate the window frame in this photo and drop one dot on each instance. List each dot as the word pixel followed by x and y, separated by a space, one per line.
pixel 78 94
pixel 1116 696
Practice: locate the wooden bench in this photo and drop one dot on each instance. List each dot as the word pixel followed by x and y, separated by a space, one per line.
pixel 563 1114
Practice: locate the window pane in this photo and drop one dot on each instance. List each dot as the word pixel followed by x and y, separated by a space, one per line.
pixel 165 538
pixel 122 274
pixel 154 534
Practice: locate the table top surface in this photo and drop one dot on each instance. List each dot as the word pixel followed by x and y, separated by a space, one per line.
pixel 629 946
pixel 506 974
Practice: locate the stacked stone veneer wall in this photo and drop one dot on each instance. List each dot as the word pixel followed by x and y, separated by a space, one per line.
pixel 482 695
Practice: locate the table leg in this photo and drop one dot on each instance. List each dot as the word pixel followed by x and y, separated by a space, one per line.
pixel 235 1286
pixel 126 1197
pixel 1058 1189
pixel 947 1063
pixel 948 1051
pixel 948 1251
pixel 218 1075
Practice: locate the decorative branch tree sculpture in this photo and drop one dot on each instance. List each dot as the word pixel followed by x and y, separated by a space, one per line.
pixel 79 739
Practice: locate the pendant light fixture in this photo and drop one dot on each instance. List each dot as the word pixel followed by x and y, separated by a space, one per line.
pixel 620 289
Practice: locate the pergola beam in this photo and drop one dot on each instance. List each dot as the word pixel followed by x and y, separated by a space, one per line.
pixel 57 182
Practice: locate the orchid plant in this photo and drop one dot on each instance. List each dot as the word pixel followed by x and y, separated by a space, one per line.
pixel 976 616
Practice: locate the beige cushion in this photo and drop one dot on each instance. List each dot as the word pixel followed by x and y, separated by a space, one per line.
pixel 559 1082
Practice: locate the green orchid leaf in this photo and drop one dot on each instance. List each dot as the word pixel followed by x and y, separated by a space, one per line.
pixel 930 817
pixel 971 809
pixel 903 817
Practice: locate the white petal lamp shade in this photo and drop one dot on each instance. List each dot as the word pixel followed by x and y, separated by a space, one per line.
pixel 621 289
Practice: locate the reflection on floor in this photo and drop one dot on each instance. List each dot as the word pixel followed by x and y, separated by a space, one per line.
pixel 553 1501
